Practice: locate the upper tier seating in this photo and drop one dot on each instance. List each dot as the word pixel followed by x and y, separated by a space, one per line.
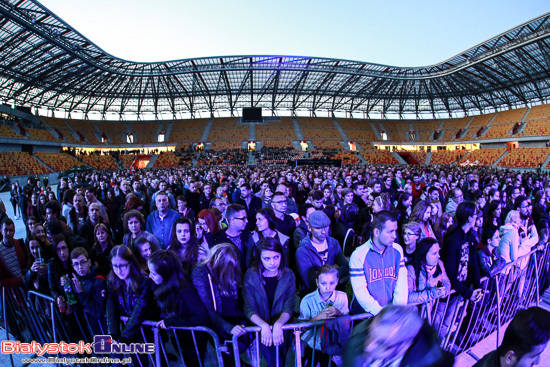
pixel 538 121
pixel 477 123
pixel 187 132
pixel 397 130
pixel 86 128
pixel 452 126
pixel 426 129
pixel 39 134
pixel 226 129
pixel 277 134
pixel 8 132
pixel 115 131
pixel 358 130
pixel 62 127
pixel 318 129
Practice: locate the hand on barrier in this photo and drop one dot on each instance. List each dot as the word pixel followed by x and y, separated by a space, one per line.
pixel 267 336
pixel 477 295
pixel 440 292
pixel 278 336
pixel 238 330
pixel 161 324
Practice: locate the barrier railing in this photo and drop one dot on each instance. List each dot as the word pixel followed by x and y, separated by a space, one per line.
pixel 460 323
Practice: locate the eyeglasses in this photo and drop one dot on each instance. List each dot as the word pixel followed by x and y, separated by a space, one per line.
pixel 121 266
pixel 410 234
pixel 243 218
pixel 80 264
pixel 279 202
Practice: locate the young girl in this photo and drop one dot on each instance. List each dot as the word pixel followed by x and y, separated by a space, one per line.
pixel 265 227
pixel 324 303
pixel 142 250
pixel 129 294
pixel 59 269
pixel 36 278
pixel 421 214
pixel 179 303
pixel 185 244
pixel 217 280
pixel 269 297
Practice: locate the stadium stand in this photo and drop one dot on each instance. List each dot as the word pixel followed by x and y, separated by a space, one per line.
pixel 61 127
pixel 537 121
pixel 447 156
pixel 59 161
pixel 420 156
pixel 276 134
pixel 186 132
pixel 484 156
pixel 318 129
pixel 452 126
pixel 115 131
pixel 86 129
pixel 525 157
pixel 426 129
pixel 39 134
pixel 477 123
pixel 7 131
pixel 99 161
pixel 397 130
pixel 170 159
pixel 226 129
pixel 358 130
pixel 504 122
pixel 379 156
pixel 127 160
pixel 21 163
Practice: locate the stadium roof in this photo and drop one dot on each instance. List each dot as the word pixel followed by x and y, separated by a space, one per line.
pixel 47 64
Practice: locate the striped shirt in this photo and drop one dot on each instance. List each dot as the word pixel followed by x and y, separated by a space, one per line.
pixel 9 256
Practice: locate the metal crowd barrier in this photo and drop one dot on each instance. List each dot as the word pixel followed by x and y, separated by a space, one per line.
pixel 461 323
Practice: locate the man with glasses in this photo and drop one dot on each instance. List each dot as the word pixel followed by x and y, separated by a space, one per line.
pixel 284 223
pixel 457 197
pixel 235 233
pixel 251 203
pixel 89 288
pixel 527 230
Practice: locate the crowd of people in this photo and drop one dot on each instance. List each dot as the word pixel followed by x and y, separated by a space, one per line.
pixel 234 246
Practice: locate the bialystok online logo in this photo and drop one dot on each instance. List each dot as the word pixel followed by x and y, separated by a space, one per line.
pixel 103 344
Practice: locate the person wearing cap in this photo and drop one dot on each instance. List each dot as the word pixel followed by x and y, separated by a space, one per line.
pixel 318 249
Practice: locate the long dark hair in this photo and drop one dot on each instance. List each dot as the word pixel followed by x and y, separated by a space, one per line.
pixel 269 215
pixel 135 274
pixel 223 263
pixel 167 264
pixel 419 261
pixel 269 244
pixel 188 253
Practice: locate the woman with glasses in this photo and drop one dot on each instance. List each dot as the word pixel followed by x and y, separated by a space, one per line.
pixel 129 293
pixel 411 234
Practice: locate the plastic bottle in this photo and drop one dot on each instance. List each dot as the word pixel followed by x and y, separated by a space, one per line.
pixel 71 299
